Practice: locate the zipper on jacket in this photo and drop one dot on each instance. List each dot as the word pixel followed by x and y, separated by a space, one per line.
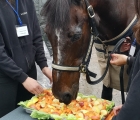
pixel 25 55
pixel 27 62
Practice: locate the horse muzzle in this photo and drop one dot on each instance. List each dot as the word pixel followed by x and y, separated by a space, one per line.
pixel 66 98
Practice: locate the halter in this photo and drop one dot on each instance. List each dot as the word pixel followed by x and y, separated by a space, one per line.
pixel 83 68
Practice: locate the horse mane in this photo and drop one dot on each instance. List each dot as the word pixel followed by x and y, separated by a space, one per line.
pixel 57 13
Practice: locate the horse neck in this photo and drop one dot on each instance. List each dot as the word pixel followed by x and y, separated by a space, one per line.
pixel 112 13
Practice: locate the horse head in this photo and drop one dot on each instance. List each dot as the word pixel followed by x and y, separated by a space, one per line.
pixel 69 32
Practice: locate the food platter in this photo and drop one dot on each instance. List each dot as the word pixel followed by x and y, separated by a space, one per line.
pixel 45 106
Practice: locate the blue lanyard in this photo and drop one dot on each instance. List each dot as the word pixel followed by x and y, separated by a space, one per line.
pixel 16 11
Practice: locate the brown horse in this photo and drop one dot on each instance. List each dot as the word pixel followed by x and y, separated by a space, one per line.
pixel 68 28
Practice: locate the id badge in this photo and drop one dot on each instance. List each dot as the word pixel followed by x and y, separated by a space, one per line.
pixel 22 30
pixel 132 50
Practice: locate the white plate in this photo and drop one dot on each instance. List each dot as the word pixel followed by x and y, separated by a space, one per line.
pixel 28 110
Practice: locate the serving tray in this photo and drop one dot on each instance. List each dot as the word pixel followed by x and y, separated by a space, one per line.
pixel 91 103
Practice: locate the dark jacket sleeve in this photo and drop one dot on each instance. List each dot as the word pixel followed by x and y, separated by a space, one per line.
pixel 131 108
pixel 131 61
pixel 38 43
pixel 8 66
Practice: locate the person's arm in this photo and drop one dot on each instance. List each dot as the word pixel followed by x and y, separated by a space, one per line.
pixel 116 109
pixel 38 43
pixel 118 59
pixel 130 109
pixel 47 72
pixel 121 59
pixel 8 66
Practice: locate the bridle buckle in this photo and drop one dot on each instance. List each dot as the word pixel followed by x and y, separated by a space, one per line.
pixel 83 68
pixel 90 11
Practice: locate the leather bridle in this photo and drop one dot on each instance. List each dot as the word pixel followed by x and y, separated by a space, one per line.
pixel 83 68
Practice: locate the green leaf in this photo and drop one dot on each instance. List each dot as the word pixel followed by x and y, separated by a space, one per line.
pixel 110 106
pixel 23 103
pixel 40 115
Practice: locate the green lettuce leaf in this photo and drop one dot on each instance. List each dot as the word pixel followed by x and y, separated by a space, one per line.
pixel 110 106
pixel 23 103
pixel 40 115
pixel 44 116
pixel 27 103
pixel 86 96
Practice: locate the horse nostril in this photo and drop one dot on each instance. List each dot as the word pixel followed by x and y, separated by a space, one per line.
pixel 67 97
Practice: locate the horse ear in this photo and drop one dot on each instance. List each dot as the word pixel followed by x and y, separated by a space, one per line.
pixel 77 2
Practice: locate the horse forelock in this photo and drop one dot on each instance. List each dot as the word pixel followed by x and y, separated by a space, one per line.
pixel 57 13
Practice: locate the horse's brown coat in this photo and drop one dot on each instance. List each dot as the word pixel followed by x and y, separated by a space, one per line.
pixel 68 30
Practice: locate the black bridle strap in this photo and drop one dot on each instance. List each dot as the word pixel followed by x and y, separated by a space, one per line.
pixel 107 66
pixel 91 14
pixel 94 33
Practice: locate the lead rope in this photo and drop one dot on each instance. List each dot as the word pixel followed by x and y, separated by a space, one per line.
pixel 122 84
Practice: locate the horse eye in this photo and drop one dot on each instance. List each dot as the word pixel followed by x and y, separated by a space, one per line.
pixel 75 37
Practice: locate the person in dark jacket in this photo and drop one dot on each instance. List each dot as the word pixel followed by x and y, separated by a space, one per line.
pixel 130 109
pixel 20 47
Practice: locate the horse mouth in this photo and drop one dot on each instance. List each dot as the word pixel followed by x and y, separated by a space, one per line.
pixel 66 94
pixel 66 99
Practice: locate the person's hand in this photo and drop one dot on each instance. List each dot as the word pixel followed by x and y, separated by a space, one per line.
pixel 125 45
pixel 117 109
pixel 118 59
pixel 48 73
pixel 32 86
